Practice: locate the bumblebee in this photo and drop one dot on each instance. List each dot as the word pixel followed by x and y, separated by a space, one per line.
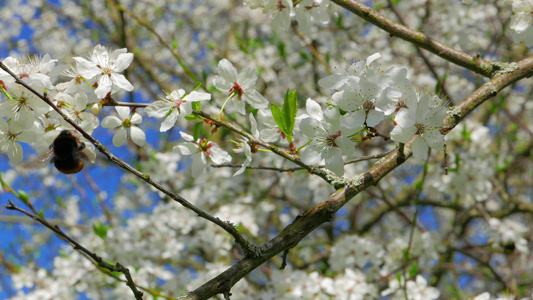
pixel 67 150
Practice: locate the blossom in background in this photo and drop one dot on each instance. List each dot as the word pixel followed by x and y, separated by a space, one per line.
pixel 416 290
pixel 419 289
pixel 328 138
pixel 174 105
pixel 430 114
pixel 509 231
pixel 106 68
pixel 126 121
pixel 281 11
pixel 240 87
pixel 482 296
pixel 349 74
pixel 522 20
pixel 355 252
pixel 308 10
pixel 200 150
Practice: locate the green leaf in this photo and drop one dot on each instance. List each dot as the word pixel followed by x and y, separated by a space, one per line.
pixel 290 109
pixel 286 117
pixel 418 184
pixel 197 105
pixel 240 228
pixel 399 276
pixel 396 2
pixel 23 196
pixel 413 270
pixel 192 117
pixel 282 50
pixel 197 130
pixel 276 113
pixel 438 87
pixel 100 230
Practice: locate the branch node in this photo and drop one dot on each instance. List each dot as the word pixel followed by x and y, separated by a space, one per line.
pixel 284 257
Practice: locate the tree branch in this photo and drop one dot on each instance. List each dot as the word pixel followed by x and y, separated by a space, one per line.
pixel 420 39
pixel 77 246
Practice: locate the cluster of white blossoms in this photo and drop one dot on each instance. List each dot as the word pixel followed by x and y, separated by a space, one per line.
pixel 364 95
pixel 306 12
pixel 157 246
pixel 522 21
pixel 26 118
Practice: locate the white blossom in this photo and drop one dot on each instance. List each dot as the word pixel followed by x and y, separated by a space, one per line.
pixel 174 105
pixel 240 87
pixel 200 150
pixel 106 67
pixel 126 121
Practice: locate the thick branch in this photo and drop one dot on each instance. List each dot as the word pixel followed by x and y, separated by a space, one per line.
pixel 325 211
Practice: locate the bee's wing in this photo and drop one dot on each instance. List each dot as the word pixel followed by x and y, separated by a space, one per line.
pixel 88 152
pixel 37 162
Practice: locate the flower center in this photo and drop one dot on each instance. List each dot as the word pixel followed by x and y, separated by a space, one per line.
pixel 368 105
pixel 401 104
pixel 330 140
pixel 236 89
pixel 204 146
pixel 420 128
pixel 280 6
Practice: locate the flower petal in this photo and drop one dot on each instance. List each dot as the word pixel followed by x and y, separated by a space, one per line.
pixel 138 136
pixel 120 137
pixel 255 99
pixel 123 61
pixel 227 70
pixel 111 122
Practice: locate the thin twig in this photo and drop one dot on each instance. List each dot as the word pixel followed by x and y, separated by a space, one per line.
pixel 77 246
pixel 282 170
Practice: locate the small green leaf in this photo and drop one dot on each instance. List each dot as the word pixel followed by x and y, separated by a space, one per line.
pixel 418 184
pixel 413 270
pixel 100 230
pixel 240 228
pixel 286 117
pixel 192 117
pixel 290 109
pixel 438 87
pixel 23 196
pixel 399 276
pixel 197 105
pixel 276 113
pixel 282 50
pixel 197 130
